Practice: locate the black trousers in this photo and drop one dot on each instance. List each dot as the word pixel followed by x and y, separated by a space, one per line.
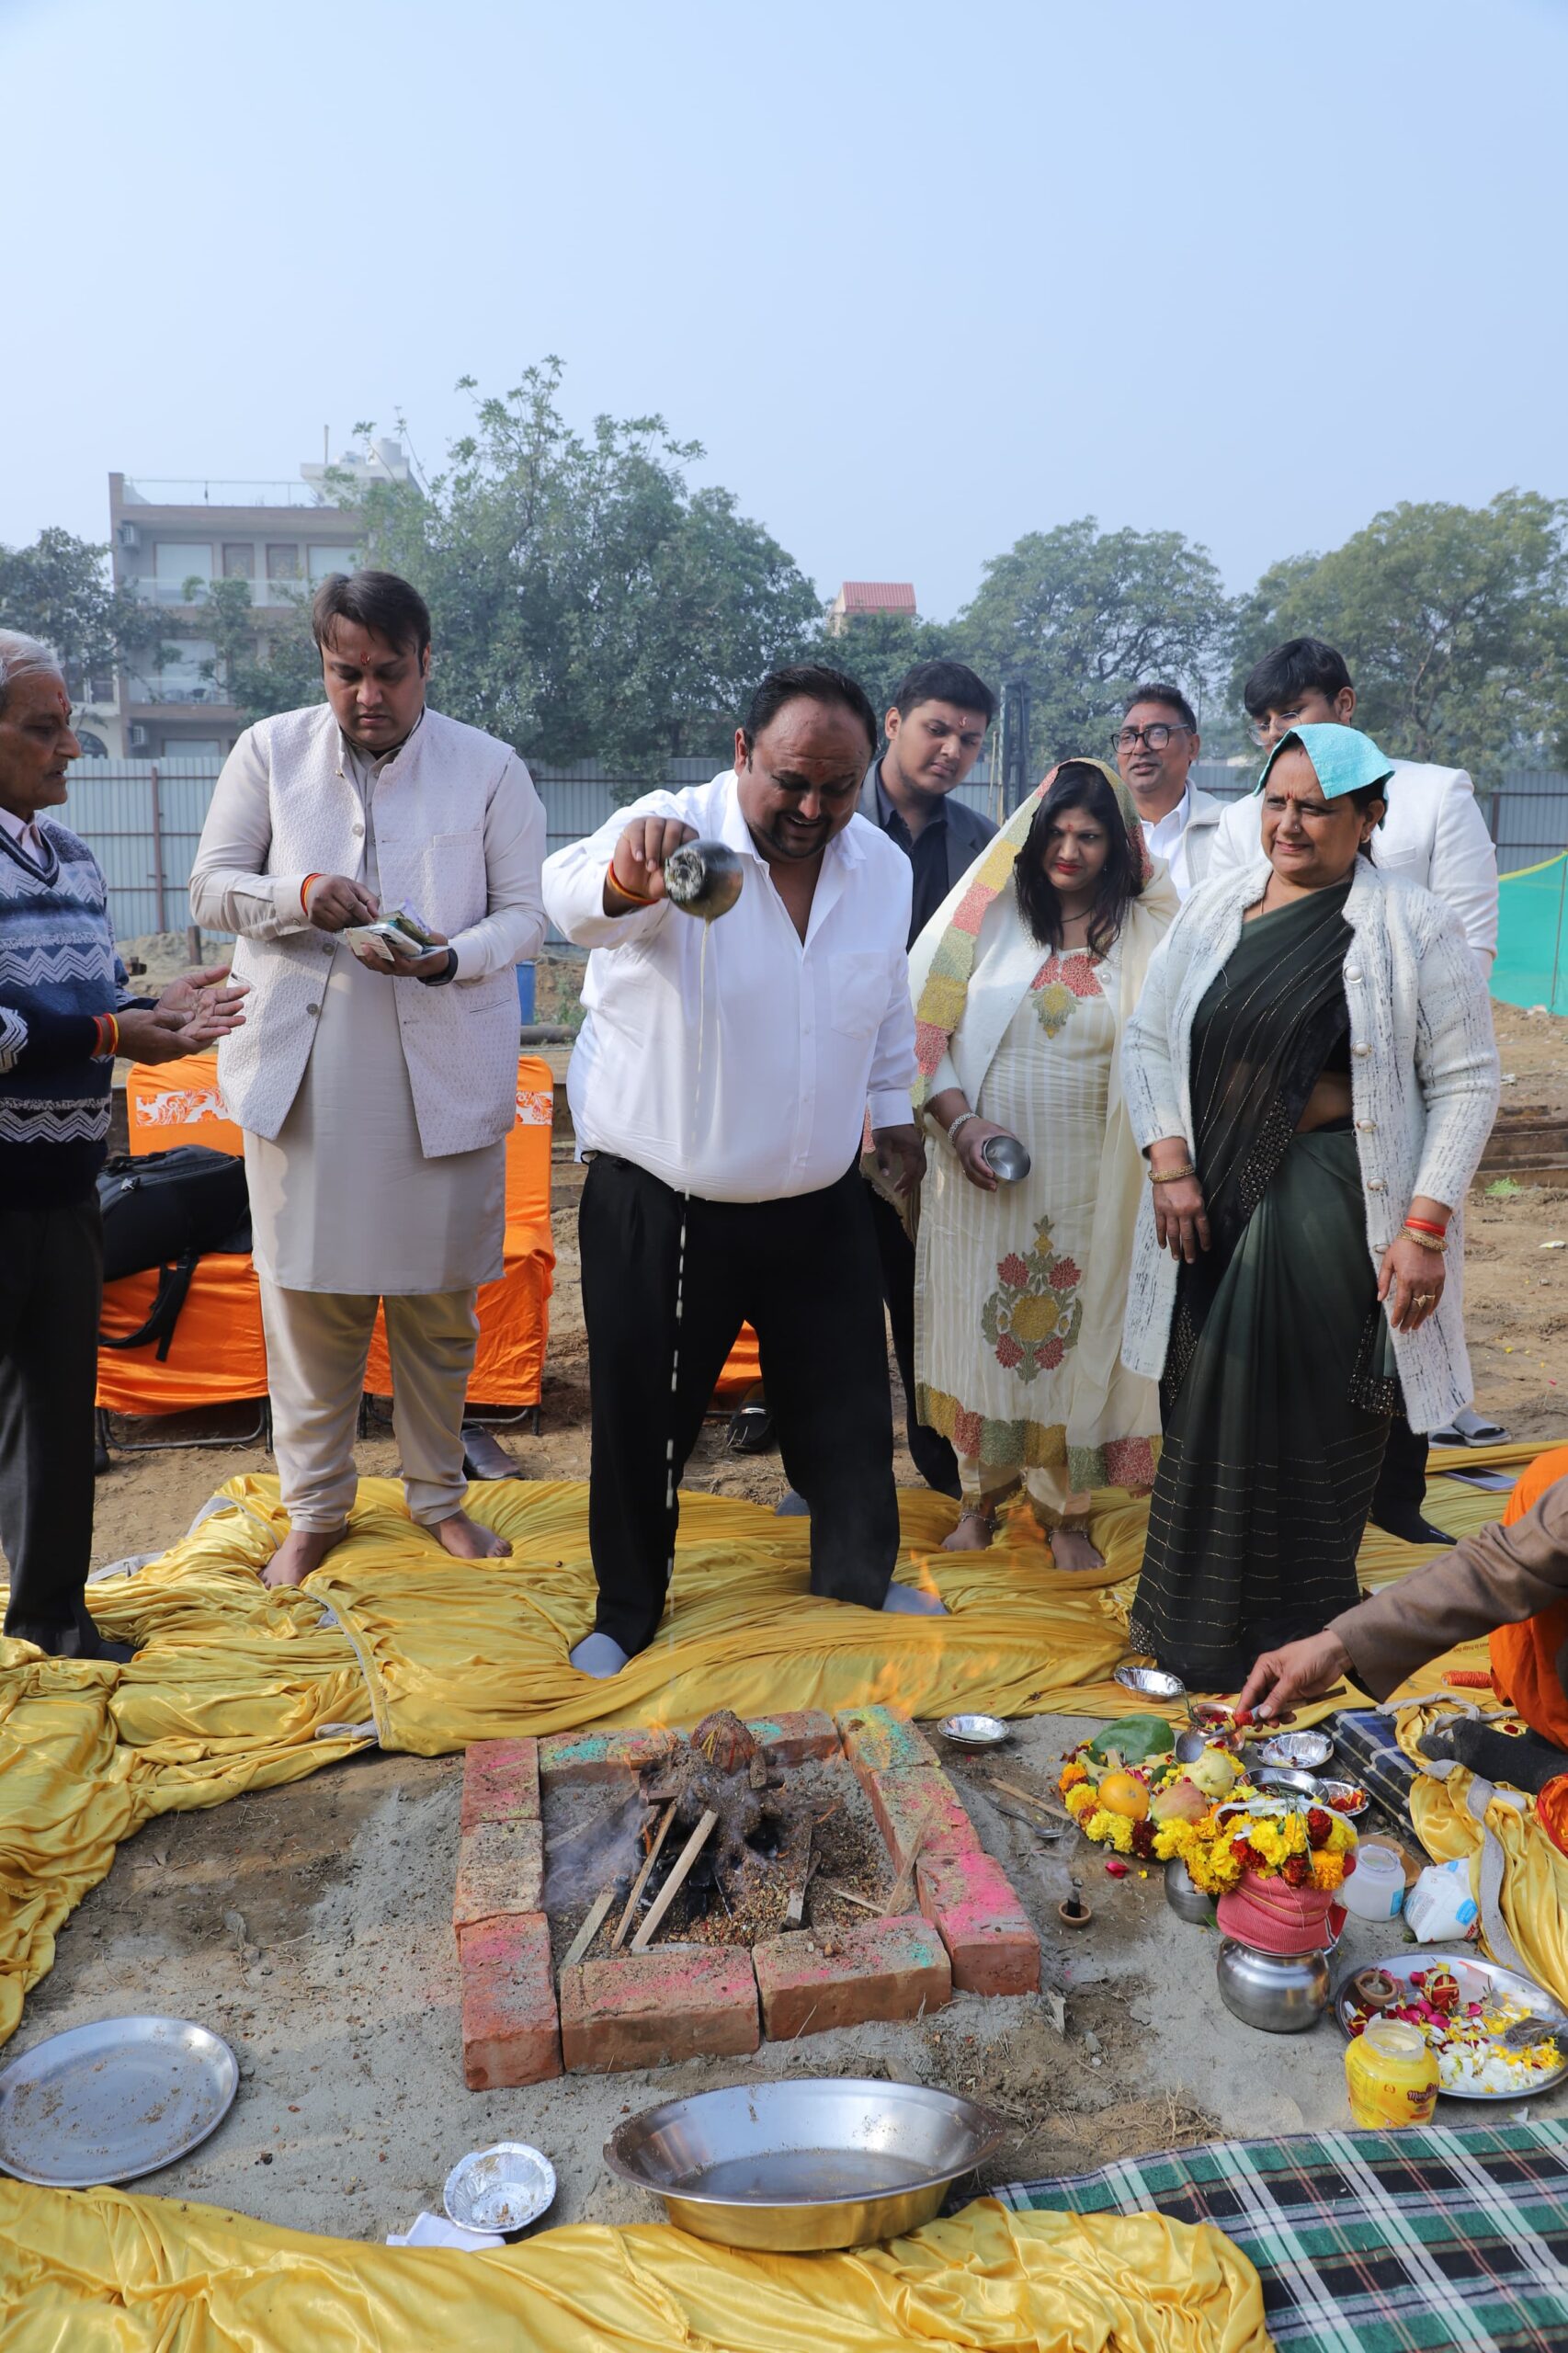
pixel 51 1283
pixel 932 1455
pixel 1401 1482
pixel 803 1274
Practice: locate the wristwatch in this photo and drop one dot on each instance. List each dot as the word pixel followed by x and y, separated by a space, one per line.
pixel 448 973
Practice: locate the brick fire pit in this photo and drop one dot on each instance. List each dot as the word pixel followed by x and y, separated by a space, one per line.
pixel 687 2000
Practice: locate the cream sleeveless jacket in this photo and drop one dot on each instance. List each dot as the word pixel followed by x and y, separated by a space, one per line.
pixel 459 834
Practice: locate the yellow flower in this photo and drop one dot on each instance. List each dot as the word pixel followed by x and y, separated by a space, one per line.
pixel 1112 1830
pixel 1082 1800
pixel 1072 1774
pixel 1328 1869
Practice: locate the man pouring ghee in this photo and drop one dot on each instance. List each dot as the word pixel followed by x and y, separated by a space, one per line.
pixel 718 1089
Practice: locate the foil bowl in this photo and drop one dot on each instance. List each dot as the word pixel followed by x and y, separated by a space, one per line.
pixel 806 2163
pixel 501 2189
pixel 974 1732
pixel 1299 1751
pixel 1150 1682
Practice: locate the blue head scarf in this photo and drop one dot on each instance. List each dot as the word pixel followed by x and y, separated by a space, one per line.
pixel 1343 759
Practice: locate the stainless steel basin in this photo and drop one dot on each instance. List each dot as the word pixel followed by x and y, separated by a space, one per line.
pixel 808 2164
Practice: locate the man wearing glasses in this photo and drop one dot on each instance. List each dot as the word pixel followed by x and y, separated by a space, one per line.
pixel 1156 745
pixel 1434 834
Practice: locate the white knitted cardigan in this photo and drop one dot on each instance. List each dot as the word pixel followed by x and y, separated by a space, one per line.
pixel 1423 1082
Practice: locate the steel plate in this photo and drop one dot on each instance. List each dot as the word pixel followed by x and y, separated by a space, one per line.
pixel 1315 1787
pixel 113 2101
pixel 1477 1977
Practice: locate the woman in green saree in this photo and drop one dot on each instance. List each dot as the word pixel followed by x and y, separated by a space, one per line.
pixel 1312 1077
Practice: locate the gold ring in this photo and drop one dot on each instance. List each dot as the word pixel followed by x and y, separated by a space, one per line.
pixel 1427 1299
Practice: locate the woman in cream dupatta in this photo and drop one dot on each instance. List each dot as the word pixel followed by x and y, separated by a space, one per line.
pixel 1023 983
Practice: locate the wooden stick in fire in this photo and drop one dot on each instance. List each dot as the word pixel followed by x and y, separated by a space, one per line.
pixel 641 1882
pixel 676 1881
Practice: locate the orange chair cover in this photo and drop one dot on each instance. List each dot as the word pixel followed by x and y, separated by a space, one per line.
pixel 514 1313
pixel 743 1367
pixel 219 1354
pixel 1524 1657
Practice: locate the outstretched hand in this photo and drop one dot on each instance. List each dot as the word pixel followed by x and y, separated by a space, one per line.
pixel 1302 1670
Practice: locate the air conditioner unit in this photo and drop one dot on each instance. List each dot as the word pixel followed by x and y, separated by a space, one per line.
pixel 128 535
pixel 139 736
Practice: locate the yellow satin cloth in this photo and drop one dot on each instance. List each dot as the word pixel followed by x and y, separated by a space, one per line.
pixel 104 2272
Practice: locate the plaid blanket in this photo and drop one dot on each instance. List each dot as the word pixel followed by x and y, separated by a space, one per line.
pixel 1408 2242
pixel 1366 1750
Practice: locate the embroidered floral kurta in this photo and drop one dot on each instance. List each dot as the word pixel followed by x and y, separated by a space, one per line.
pixel 1001 1275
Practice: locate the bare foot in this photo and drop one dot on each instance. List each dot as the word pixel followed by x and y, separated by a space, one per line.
pixel 468 1540
pixel 302 1550
pixel 1071 1549
pixel 972 1534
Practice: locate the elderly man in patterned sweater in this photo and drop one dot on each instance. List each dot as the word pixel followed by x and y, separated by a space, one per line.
pixel 63 1017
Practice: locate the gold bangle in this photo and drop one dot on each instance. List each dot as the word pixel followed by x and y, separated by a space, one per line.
pixel 1171 1176
pixel 1427 1241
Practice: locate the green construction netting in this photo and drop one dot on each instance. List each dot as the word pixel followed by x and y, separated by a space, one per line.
pixel 1532 936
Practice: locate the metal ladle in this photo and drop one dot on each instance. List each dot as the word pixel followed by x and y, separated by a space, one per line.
pixel 703 878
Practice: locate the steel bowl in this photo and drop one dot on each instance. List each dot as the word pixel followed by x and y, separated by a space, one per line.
pixel 1185 1896
pixel 1313 1786
pixel 974 1732
pixel 1151 1682
pixel 1277 1993
pixel 703 878
pixel 803 2165
pixel 1296 1751
pixel 500 2188
pixel 1006 1159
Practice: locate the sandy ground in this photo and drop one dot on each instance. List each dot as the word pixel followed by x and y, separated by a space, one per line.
pixel 311 1926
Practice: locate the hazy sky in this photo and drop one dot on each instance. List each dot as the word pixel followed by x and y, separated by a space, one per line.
pixel 922 278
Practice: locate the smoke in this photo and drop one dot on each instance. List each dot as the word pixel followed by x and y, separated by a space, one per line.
pixel 579 1862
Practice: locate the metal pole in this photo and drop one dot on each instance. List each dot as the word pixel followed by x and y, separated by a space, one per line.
pixel 158 849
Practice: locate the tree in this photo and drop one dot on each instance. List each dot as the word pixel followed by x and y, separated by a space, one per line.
pixel 879 648
pixel 1084 616
pixel 585 600
pixel 280 672
pixel 1453 619
pixel 59 590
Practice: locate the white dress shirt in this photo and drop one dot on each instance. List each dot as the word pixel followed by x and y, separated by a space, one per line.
pixel 1166 837
pixel 1434 833
pixel 734 1060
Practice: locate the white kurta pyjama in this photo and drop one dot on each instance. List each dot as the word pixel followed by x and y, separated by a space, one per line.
pixel 345 1199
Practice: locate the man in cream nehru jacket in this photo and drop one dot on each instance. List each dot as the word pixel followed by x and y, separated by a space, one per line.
pixel 375 1096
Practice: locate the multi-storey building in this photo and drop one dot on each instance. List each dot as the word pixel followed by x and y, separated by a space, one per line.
pixel 171 540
